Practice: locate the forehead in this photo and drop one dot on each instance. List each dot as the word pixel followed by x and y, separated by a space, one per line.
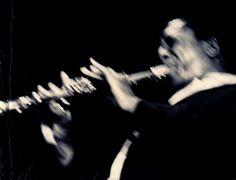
pixel 177 30
pixel 174 27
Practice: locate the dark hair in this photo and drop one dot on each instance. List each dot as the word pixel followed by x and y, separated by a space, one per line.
pixel 203 29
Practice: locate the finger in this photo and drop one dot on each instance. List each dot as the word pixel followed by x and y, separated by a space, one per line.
pixel 64 76
pixel 65 80
pixel 70 84
pixel 105 70
pixel 64 101
pixel 98 66
pixel 89 73
pixel 45 93
pixel 75 86
pixel 24 101
pixel 55 89
pixel 94 69
pixel 56 108
pixel 48 134
pixel 19 110
pixel 87 86
pixel 111 78
pixel 36 97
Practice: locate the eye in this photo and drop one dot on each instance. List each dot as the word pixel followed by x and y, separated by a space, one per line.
pixel 169 41
pixel 164 57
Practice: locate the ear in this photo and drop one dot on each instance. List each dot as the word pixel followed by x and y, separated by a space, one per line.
pixel 211 48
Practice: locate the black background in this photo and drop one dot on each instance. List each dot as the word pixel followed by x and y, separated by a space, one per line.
pixel 40 38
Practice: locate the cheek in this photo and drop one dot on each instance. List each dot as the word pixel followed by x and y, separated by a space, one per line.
pixel 185 54
pixel 162 52
pixel 164 55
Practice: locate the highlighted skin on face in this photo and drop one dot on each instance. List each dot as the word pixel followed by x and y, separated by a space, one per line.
pixel 181 51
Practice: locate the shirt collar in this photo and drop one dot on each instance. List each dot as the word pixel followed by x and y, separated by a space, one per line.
pixel 209 81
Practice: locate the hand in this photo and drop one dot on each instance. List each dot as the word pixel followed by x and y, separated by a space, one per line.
pixel 69 87
pixel 74 85
pixel 57 135
pixel 60 126
pixel 120 88
pixel 54 92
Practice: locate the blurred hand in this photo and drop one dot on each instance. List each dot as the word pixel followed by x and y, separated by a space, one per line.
pixel 120 88
pixel 68 88
pixel 57 135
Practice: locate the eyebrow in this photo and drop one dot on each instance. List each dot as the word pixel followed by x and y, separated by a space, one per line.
pixel 165 45
pixel 168 40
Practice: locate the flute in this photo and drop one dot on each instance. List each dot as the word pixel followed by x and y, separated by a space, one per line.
pixel 82 85
pixel 158 72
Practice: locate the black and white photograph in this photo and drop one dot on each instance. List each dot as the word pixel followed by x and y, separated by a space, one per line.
pixel 117 90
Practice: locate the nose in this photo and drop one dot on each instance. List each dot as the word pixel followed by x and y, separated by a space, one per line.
pixel 167 56
pixel 163 53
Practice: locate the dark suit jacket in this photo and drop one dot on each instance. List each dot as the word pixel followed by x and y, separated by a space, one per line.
pixel 194 139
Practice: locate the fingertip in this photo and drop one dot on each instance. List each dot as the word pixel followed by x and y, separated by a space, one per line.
pixel 94 69
pixel 64 101
pixel 91 59
pixel 64 75
pixel 50 84
pixel 83 69
pixel 39 87
pixel 95 63
pixel 62 72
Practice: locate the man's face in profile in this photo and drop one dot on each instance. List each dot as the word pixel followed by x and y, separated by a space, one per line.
pixel 181 51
